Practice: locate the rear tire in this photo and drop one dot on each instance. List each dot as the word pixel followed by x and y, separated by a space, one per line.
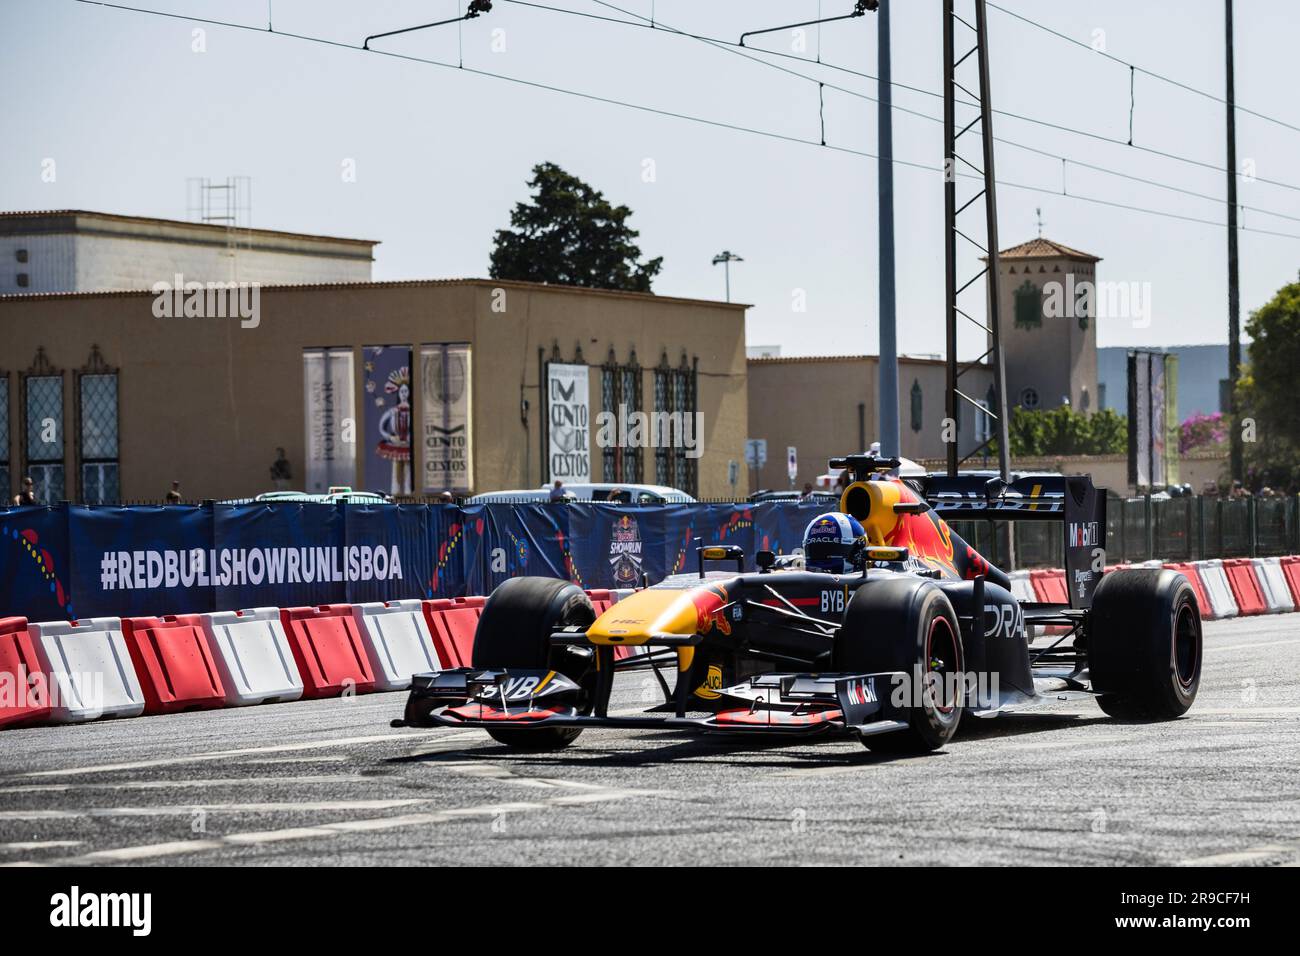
pixel 1144 644
pixel 514 631
pixel 909 625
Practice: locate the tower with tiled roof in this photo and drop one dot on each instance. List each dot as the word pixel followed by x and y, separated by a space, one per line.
pixel 1049 327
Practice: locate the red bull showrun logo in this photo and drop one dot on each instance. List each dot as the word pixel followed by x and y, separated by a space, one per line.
pixel 625 556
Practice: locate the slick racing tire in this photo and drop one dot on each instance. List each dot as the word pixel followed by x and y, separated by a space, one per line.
pixel 1144 644
pixel 514 630
pixel 909 625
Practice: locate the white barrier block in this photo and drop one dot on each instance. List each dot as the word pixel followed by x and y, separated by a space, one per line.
pixel 253 656
pixel 397 641
pixel 1272 582
pixel 1215 582
pixel 90 669
pixel 1022 589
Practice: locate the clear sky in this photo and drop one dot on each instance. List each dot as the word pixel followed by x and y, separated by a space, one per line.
pixel 128 111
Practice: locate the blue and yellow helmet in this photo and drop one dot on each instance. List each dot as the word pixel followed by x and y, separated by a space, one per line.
pixel 832 542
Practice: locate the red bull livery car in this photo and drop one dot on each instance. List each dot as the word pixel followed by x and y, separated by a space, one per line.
pixel 913 632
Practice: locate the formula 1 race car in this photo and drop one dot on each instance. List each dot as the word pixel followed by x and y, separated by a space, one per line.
pixel 919 631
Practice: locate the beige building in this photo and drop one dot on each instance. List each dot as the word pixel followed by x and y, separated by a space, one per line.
pixel 72 250
pixel 103 399
pixel 1049 326
pixel 826 405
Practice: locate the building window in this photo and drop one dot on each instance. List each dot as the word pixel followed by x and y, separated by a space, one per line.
pixel 620 389
pixel 43 429
pixel 1028 306
pixel 5 486
pixel 1029 397
pixel 918 421
pixel 675 406
pixel 97 430
pixel 23 280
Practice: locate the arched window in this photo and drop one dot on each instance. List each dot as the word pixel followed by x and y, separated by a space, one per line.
pixel 620 389
pixel 917 412
pixel 97 425
pixel 42 397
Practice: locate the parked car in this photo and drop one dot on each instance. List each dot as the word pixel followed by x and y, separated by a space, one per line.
pixel 597 491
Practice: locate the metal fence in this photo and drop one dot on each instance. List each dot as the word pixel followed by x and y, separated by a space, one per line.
pixel 1170 529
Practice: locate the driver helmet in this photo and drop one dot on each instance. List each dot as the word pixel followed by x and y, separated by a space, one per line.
pixel 832 542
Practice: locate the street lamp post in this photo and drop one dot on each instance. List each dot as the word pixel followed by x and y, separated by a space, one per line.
pixel 726 258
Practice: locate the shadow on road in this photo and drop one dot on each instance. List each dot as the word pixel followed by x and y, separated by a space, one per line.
pixel 776 753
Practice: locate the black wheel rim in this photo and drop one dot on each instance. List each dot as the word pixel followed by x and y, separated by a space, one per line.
pixel 1187 645
pixel 943 666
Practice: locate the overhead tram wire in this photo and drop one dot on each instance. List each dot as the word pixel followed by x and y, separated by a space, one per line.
pixel 643 23
pixel 592 97
pixel 727 47
pixel 1133 67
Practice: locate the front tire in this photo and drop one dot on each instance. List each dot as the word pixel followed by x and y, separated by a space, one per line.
pixel 514 631
pixel 1145 644
pixel 909 625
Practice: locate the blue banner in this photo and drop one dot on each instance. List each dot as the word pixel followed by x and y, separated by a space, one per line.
pixel 447 550
pixel 141 561
pixel 35 564
pixel 62 563
pixel 270 555
pixel 386 548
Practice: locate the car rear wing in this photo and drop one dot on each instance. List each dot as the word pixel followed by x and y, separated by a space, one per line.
pixel 1072 500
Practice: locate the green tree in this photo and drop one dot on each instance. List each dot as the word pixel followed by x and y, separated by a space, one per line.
pixel 1266 391
pixel 569 234
pixel 1063 431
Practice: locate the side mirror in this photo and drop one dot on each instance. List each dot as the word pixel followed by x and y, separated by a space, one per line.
pixel 765 560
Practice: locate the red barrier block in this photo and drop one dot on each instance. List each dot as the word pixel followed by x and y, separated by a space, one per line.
pixel 447 650
pixel 26 699
pixel 453 624
pixel 1245 586
pixel 174 664
pixel 1049 586
pixel 1189 571
pixel 328 650
pixel 1291 569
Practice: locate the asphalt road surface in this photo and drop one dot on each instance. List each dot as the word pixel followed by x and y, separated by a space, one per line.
pixel 329 782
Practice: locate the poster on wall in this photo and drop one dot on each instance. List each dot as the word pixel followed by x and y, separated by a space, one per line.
pixel 446 462
pixel 568 423
pixel 1153 419
pixel 1157 419
pixel 331 448
pixel 387 434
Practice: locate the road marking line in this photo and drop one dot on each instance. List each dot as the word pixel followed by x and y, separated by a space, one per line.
pixel 227 754
pixel 323 806
pixel 1242 647
pixel 1252 855
pixel 39 844
pixel 254 838
pixel 184 784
